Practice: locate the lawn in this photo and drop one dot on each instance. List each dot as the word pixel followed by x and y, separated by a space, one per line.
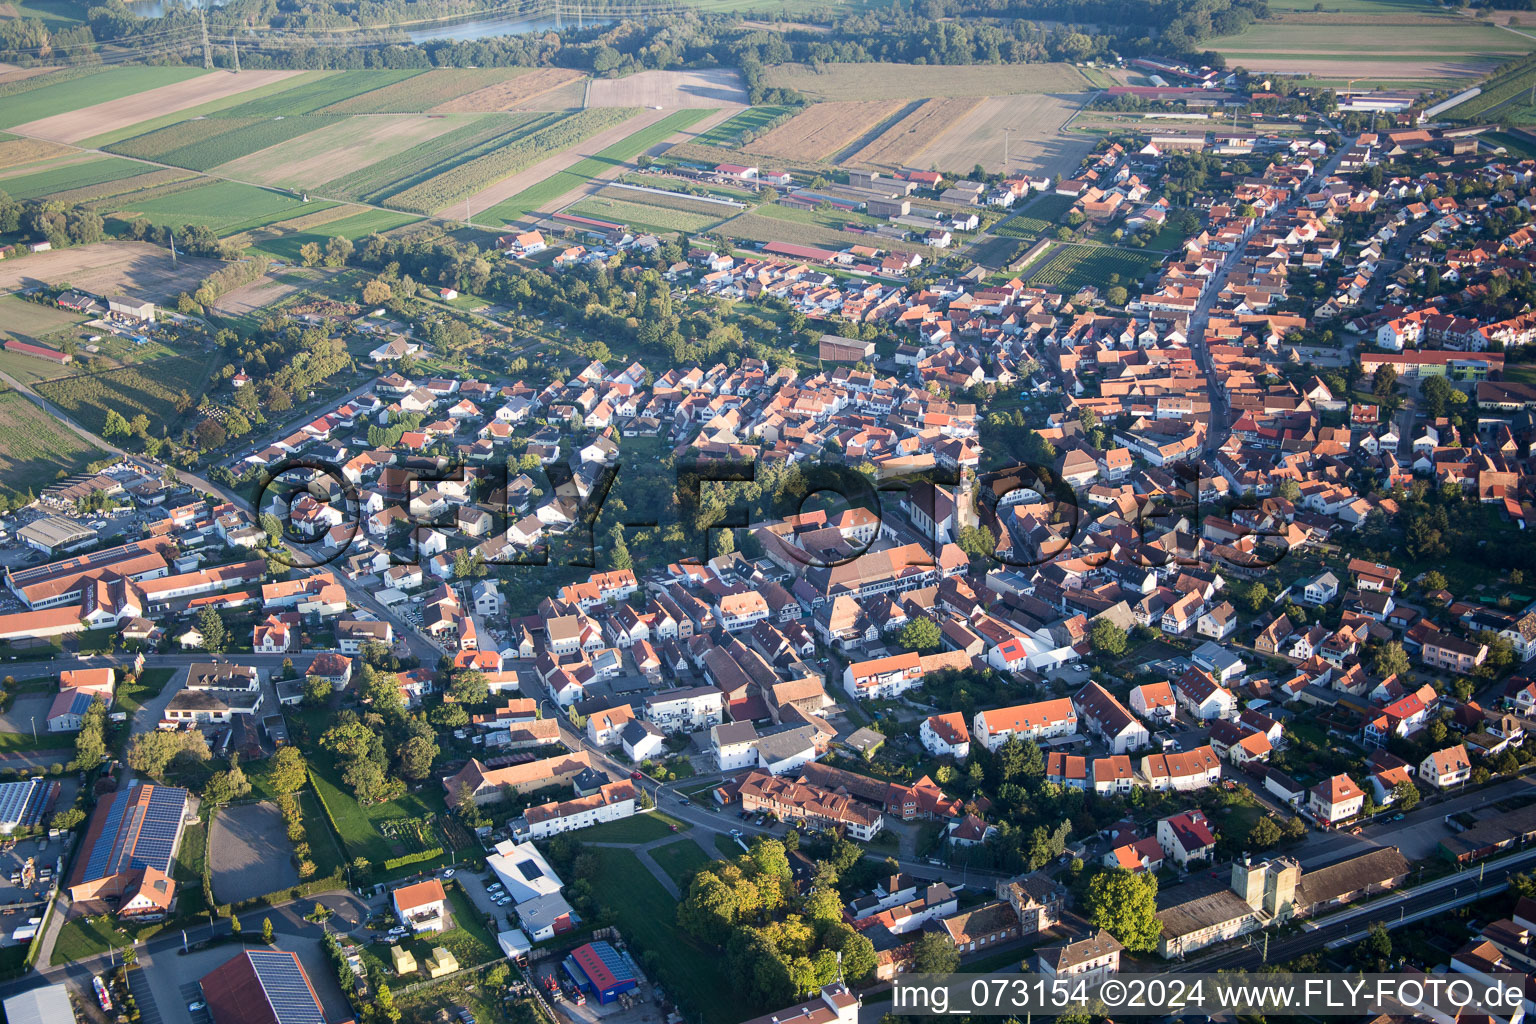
pixel 680 859
pixel 354 227
pixel 647 918
pixel 33 321
pixel 82 937
pixel 36 450
pixel 62 97
pixel 727 846
pixel 537 197
pixel 226 207
pixel 188 870
pixel 131 696
pixel 638 828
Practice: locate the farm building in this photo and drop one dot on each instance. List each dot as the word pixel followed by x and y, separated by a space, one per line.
pixel 602 970
pixel 136 310
pixel 261 986
pixel 38 352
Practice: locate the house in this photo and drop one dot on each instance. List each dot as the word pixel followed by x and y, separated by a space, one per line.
pixel 1102 715
pixel 642 740
pixel 422 907
pixel 1186 837
pixel 785 751
pixel 1218 623
pixel 1155 703
pixel 1203 698
pixel 1445 768
pixel 1320 589
pixel 1044 719
pixel 609 802
pixel 605 726
pixel 946 735
pixel 1141 855
pixel 735 745
pixel 1091 961
pixel 1335 800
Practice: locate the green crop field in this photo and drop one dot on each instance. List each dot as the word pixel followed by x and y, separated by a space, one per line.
pixel 647 218
pixel 60 97
pixel 152 389
pixel 227 207
pixel 728 133
pixel 422 92
pixel 534 199
pixel 321 92
pixel 48 182
pixel 464 180
pixel 1070 267
pixel 202 110
pixel 207 143
pixel 435 156
pixel 358 226
pixel 36 449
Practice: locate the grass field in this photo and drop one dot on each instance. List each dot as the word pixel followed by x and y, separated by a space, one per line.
pixel 131 696
pixel 647 917
pixel 728 133
pixel 33 321
pixel 559 184
pixel 36 450
pixel 637 828
pixel 59 97
pixel 207 142
pixel 645 217
pixel 75 175
pixel 151 389
pixel 226 207
pixel 921 81
pixel 1070 267
pixel 422 92
pixel 680 859
pixel 1390 43
pixel 354 227
pixel 320 92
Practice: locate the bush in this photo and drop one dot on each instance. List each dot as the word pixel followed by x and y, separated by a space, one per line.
pixel 418 857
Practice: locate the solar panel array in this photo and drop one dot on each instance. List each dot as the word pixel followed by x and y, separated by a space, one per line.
pixel 293 1000
pixel 159 829
pixel 101 852
pixel 19 801
pixel 139 831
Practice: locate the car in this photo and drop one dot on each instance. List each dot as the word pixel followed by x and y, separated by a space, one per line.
pixel 672 827
pixel 683 800
pixel 1356 830
pixel 637 775
pixel 448 873
pixel 198 1005
pixel 1397 817
pixel 736 833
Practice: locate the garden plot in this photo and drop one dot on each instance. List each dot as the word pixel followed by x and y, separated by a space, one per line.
pixel 712 87
pixel 336 150
pixel 823 129
pixel 141 106
pixel 249 852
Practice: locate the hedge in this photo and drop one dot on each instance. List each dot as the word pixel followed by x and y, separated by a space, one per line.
pixel 430 853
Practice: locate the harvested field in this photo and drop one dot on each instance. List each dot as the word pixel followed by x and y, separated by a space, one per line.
pixel 108 268
pixel 823 129
pixel 344 146
pixel 903 142
pixel 511 93
pixel 207 142
pixel 1035 141
pixel 269 291
pixel 40 98
pixel 415 165
pixel 924 81
pixel 250 853
pixel 123 186
pixel 127 110
pixel 36 448
pixel 14 152
pixel 225 207
pixel 714 87
pixel 422 92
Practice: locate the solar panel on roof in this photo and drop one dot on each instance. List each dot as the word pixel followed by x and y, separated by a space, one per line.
pixel 283 981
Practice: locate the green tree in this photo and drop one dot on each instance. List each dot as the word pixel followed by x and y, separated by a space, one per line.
pixel 1405 795
pixel 211 625
pixel 469 687
pixel 234 924
pixel 287 771
pixel 1107 638
pixel 1390 659
pixel 1258 597
pixel 978 541
pixel 91 740
pixel 934 954
pixel 317 691
pixel 1384 384
pixel 68 819
pixel 921 634
pixel 1125 905
pixel 266 930
pixel 1434 579
pixel 1264 834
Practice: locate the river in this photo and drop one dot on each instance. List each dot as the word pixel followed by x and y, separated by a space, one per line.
pixel 460 30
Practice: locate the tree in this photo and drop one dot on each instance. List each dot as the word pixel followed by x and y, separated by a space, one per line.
pixel 1436 395
pixel 287 771
pixel 1107 638
pixel 1434 579
pixel 978 541
pixel 153 752
pixel 1125 905
pixel 921 634
pixel 1264 834
pixel 68 819
pixel 1258 597
pixel 1290 490
pixel 91 740
pixel 934 954
pixel 211 625
pixel 309 254
pixel 317 691
pixel 1406 795
pixel 416 757
pixel 469 688
pixel 266 930
pixel 272 527
pixel 115 426
pixel 1117 295
pixel 448 716
pixel 377 292
pixel 1390 659
pixel 1384 384
pixel 234 924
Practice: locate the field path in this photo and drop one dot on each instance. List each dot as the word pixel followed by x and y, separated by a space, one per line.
pixel 688 134
pixel 141 106
pixel 506 188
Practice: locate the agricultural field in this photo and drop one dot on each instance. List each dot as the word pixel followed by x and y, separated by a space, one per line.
pixel 216 106
pixel 424 160
pixel 902 143
pixel 608 160
pixel 705 89
pixel 1390 46
pixel 321 92
pixel 155 179
pixel 286 246
pixel 757 227
pixel 422 92
pixel 107 268
pixel 33 321
pixel 823 130
pixel 135 107
pixel 524 86
pixel 15 152
pixel 1507 94
pixel 225 207
pixel 1032 125
pixel 206 143
pixel 925 81
pixel 466 179
pixel 335 150
pixel 55 94
pixel 729 133
pixel 1037 216
pixel 152 389
pixel 645 217
pixel 1069 267
pixel 59 178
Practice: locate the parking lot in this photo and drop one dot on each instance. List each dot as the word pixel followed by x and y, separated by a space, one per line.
pixel 20 903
